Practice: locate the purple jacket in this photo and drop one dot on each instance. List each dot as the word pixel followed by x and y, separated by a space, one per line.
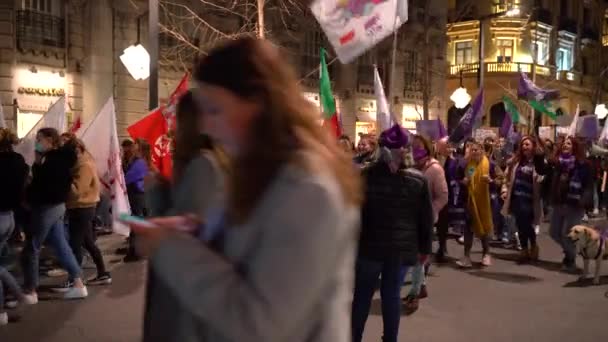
pixel 134 175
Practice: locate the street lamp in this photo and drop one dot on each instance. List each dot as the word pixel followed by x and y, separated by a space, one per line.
pixel 601 111
pixel 137 61
pixel 141 64
pixel 460 97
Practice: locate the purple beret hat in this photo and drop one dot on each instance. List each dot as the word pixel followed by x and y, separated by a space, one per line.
pixel 394 137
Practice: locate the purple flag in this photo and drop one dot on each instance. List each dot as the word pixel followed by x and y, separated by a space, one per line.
pixel 428 128
pixel 507 124
pixel 442 131
pixel 588 127
pixel 526 89
pixel 470 118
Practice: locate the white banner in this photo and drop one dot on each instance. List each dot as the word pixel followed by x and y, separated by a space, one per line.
pixel 354 26
pixel 383 120
pixel 100 136
pixel 545 132
pixel 54 118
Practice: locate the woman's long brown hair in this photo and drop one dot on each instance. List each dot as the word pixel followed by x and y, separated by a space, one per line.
pixel 253 69
pixel 189 143
pixel 577 150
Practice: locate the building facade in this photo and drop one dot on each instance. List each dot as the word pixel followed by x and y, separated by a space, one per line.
pixel 556 42
pixel 52 48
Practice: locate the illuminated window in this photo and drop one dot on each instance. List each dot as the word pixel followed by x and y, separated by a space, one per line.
pixel 464 52
pixel 540 52
pixel 605 31
pixel 505 50
pixel 505 5
pixel 564 59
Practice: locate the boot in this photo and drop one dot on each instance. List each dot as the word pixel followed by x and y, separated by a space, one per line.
pixel 534 250
pixel 524 257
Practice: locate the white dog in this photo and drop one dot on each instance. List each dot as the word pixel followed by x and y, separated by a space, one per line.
pixel 590 244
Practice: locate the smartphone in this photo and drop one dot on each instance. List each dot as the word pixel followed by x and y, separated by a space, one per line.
pixel 136 220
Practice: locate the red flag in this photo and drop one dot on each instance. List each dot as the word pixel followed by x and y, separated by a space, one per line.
pixel 154 128
pixel 75 125
pixel 333 126
pixel 169 108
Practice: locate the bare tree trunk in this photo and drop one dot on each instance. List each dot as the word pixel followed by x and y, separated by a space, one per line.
pixel 261 4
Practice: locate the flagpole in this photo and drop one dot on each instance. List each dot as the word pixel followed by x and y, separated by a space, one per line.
pixel 393 66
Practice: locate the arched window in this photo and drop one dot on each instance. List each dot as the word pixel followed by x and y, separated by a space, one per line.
pixel 497 114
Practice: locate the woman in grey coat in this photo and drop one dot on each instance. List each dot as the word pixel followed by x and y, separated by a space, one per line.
pixel 280 263
pixel 197 189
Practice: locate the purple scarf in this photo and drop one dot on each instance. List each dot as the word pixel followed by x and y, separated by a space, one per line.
pixel 567 161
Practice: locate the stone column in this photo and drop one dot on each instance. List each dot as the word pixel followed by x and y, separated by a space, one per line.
pixel 7 60
pixel 98 76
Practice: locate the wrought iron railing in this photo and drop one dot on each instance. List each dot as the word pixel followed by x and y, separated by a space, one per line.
pixel 40 28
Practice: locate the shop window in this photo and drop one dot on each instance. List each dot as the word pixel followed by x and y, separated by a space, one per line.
pixel 41 22
pixel 505 50
pixel 464 52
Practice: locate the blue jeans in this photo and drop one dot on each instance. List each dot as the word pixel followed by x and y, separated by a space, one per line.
pixel 47 226
pixel 563 218
pixel 418 278
pixel 367 273
pixel 7 225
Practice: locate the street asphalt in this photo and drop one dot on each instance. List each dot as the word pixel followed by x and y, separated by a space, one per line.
pixel 503 303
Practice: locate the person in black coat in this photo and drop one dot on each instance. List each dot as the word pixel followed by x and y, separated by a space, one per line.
pixel 46 195
pixel 13 174
pixel 397 221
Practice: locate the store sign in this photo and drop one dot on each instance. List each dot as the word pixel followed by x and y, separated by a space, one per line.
pixel 366 110
pixel 41 91
pixel 36 88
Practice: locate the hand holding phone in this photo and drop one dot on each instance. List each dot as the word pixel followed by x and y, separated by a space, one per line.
pixel 137 221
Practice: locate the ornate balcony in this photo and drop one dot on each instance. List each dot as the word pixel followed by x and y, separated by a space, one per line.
pixel 504 67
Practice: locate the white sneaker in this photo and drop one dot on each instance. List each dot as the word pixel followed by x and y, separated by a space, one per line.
pixel 465 262
pixel 585 218
pixel 596 212
pixel 486 260
pixel 11 304
pixel 537 229
pixel 56 272
pixel 3 318
pixel 30 299
pixel 461 240
pixel 65 287
pixel 76 293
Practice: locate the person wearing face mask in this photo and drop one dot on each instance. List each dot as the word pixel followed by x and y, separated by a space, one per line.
pixel 397 220
pixel 435 176
pixel 477 179
pixel 522 200
pixel 570 193
pixel 13 175
pixel 47 195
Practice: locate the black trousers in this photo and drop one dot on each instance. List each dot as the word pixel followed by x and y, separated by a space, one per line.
pixel 442 231
pixel 137 202
pixel 80 222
